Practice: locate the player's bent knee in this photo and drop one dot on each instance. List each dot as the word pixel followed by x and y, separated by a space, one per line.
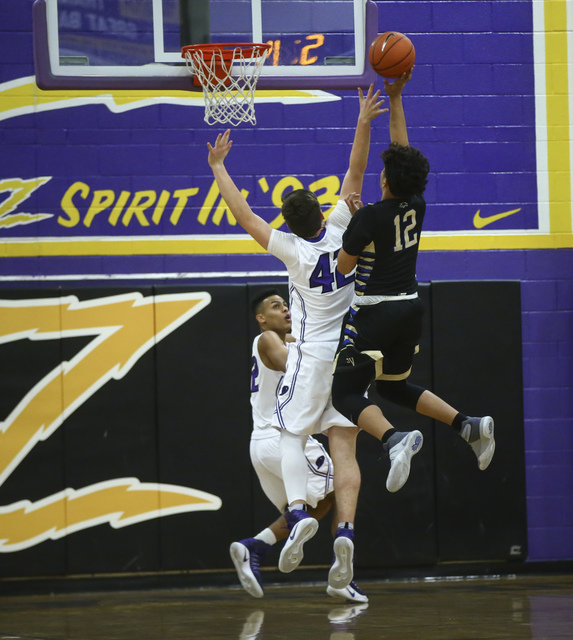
pixel 400 392
pixel 350 405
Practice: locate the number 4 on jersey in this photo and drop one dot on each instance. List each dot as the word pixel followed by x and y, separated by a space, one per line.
pixel 325 274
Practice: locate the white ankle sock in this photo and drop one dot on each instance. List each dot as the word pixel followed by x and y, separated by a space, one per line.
pixel 266 535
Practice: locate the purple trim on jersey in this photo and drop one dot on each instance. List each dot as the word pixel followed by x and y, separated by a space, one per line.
pixel 318 238
pixel 277 391
pixel 280 404
pixel 292 291
pixel 279 386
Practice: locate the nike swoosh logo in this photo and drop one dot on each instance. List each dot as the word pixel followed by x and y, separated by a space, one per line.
pixel 352 593
pixel 246 556
pixel 480 223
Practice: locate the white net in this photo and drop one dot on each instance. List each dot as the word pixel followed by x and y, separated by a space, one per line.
pixel 229 99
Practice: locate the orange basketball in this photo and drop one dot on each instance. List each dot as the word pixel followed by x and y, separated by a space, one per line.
pixel 391 54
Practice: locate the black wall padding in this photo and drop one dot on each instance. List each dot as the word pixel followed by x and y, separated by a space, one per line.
pixel 204 425
pixel 478 369
pixel 181 416
pixel 23 364
pixel 113 435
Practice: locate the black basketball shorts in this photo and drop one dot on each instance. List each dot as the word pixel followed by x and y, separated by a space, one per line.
pixel 387 333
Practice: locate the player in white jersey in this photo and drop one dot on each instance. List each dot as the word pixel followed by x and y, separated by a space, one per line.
pixel 319 299
pixel 268 362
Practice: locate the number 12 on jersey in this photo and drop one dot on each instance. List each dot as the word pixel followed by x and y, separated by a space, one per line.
pixel 404 228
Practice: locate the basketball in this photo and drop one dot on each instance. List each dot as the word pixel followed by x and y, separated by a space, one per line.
pixel 391 54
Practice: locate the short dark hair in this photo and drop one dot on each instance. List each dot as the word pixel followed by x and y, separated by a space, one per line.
pixel 406 170
pixel 301 211
pixel 257 301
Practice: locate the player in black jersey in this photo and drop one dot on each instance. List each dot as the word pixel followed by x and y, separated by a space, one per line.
pixel 381 331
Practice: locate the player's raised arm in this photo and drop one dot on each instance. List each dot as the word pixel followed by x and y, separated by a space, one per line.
pixel 253 224
pixel 398 131
pixel 370 108
pixel 346 262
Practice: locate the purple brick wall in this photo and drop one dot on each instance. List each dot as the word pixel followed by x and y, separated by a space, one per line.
pixel 547 326
pixel 548 400
pixel 471 110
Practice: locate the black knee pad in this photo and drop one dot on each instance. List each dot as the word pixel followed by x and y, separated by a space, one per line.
pixel 348 401
pixel 400 392
pixel 351 406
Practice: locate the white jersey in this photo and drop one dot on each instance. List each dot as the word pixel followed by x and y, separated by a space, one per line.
pixel 264 385
pixel 319 295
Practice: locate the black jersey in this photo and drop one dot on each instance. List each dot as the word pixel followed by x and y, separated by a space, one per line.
pixel 385 236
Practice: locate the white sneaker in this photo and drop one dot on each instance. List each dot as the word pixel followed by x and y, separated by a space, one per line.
pixel 400 457
pixel 247 556
pixel 479 433
pixel 342 571
pixel 302 529
pixel 351 593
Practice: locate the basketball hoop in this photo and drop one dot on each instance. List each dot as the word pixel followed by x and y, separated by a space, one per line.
pixel 228 98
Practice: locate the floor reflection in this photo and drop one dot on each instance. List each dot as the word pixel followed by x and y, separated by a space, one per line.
pixel 518 608
pixel 253 626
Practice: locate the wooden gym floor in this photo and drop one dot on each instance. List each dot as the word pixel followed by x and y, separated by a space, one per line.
pixel 481 608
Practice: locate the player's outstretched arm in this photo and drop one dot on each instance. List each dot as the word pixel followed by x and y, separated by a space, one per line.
pixel 345 262
pixel 370 108
pixel 253 224
pixel 398 130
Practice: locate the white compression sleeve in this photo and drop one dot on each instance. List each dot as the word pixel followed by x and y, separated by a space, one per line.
pixel 294 466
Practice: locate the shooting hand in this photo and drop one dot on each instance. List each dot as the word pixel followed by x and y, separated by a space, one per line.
pixel 218 153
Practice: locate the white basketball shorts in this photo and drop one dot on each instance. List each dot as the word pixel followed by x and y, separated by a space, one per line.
pixel 266 459
pixel 304 405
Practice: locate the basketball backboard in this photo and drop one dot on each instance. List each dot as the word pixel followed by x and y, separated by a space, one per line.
pixel 136 44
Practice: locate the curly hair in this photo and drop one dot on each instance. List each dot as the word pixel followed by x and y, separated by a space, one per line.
pixel 406 170
pixel 301 211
